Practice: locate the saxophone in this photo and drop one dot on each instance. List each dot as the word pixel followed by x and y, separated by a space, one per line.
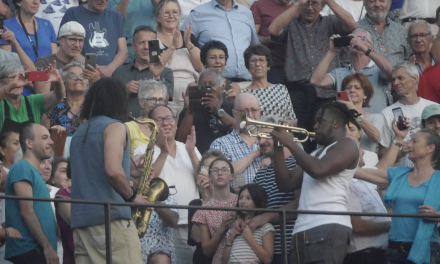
pixel 158 190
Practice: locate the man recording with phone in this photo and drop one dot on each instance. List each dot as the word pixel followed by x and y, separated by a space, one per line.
pixel 405 77
pixel 214 118
pixel 363 60
pixel 132 74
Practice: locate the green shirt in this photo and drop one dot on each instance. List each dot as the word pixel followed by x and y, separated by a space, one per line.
pixel 37 104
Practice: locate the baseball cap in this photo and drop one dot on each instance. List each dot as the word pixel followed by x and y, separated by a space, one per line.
pixel 72 28
pixel 430 110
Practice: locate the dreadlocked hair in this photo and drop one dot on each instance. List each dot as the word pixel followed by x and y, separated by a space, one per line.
pixel 107 97
pixel 341 112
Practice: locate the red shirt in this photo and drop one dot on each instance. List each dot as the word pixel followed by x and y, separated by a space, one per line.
pixel 429 84
pixel 264 12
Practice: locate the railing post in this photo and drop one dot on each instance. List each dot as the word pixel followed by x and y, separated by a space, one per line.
pixel 108 234
pixel 283 236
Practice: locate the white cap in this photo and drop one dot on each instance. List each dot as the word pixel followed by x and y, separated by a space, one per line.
pixel 72 28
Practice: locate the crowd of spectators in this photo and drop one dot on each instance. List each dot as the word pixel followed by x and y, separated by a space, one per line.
pixel 362 74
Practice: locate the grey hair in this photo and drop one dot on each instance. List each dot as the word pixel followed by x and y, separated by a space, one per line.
pixel 270 119
pixel 148 87
pixel 217 74
pixel 428 26
pixel 8 67
pixel 69 66
pixel 369 37
pixel 410 68
pixel 323 4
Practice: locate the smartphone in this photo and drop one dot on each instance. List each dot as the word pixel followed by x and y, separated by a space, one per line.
pixel 38 76
pixel 204 169
pixel 398 115
pixel 342 41
pixel 91 60
pixel 342 96
pixel 195 94
pixel 59 141
pixel 154 50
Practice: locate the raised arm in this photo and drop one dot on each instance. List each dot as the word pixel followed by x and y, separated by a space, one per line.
pixel 277 26
pixel 375 176
pixel 190 146
pixel 346 19
pixel 194 52
pixel 24 188
pixel 319 77
pixel 27 63
pixel 51 99
pixel 287 180
pixel 393 152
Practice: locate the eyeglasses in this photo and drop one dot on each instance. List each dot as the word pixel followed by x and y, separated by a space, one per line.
pixel 314 4
pixel 169 119
pixel 248 111
pixel 224 170
pixel 260 60
pixel 73 41
pixel 221 58
pixel 414 37
pixel 154 100
pixel 74 76
pixel 168 13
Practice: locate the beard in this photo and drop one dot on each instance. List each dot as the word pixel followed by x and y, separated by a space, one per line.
pixel 41 154
pixel 376 17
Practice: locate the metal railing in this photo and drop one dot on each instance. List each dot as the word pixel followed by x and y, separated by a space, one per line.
pixel 282 213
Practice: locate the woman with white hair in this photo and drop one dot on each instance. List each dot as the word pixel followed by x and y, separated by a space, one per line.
pixel 14 107
pixel 150 94
pixel 66 113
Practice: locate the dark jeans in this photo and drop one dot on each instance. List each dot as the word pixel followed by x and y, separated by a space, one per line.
pixel 35 256
pixel 366 256
pixel 326 244
pixel 395 256
pixel 276 75
pixel 305 104
pixel 276 259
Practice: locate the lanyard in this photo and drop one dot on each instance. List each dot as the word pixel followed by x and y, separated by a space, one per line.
pixel 27 34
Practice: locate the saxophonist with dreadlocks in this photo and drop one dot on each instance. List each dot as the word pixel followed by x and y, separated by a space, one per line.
pixel 100 162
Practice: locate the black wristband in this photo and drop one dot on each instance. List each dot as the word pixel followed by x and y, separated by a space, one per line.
pixel 131 198
pixel 368 51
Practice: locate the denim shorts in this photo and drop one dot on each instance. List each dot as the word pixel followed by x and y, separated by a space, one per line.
pixel 395 256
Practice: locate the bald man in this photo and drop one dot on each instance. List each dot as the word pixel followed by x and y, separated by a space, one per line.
pixel 238 146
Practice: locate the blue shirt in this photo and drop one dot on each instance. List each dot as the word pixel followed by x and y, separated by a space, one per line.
pixel 234 27
pixel 138 13
pixel 396 4
pixel 408 200
pixel 103 31
pixel 46 35
pixel 24 171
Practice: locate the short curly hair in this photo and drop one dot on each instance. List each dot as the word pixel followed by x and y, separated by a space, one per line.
pixel 365 85
pixel 258 49
pixel 210 45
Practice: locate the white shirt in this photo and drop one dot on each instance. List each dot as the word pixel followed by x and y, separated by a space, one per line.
pixel 187 5
pixel 414 114
pixel 370 158
pixel 419 9
pixel 353 7
pixel 363 197
pixel 180 173
pixel 327 194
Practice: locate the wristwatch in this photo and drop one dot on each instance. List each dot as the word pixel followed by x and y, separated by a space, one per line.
pixel 397 143
pixel 370 49
pixel 131 197
pixel 359 118
pixel 221 113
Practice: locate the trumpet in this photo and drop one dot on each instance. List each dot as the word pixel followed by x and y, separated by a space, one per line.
pixel 257 125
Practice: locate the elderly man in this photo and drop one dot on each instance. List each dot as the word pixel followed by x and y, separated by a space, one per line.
pixel 364 60
pixel 238 146
pixel 105 34
pixel 213 20
pixel 133 73
pixel 175 163
pixel 304 35
pixel 389 37
pixel 420 39
pixel 35 220
pixel 215 121
pixel 71 41
pixel 405 79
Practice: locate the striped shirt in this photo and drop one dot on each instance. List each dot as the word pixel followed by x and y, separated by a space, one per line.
pixel 241 251
pixel 276 199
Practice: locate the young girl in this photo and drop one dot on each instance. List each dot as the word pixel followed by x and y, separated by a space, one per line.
pixel 247 246
pixel 213 225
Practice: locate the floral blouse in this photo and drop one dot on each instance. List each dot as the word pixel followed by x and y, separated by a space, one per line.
pixel 59 116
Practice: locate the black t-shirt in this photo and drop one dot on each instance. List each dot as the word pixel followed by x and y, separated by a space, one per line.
pixel 208 126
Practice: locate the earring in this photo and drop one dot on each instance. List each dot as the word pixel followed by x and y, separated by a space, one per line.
pixel 335 127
